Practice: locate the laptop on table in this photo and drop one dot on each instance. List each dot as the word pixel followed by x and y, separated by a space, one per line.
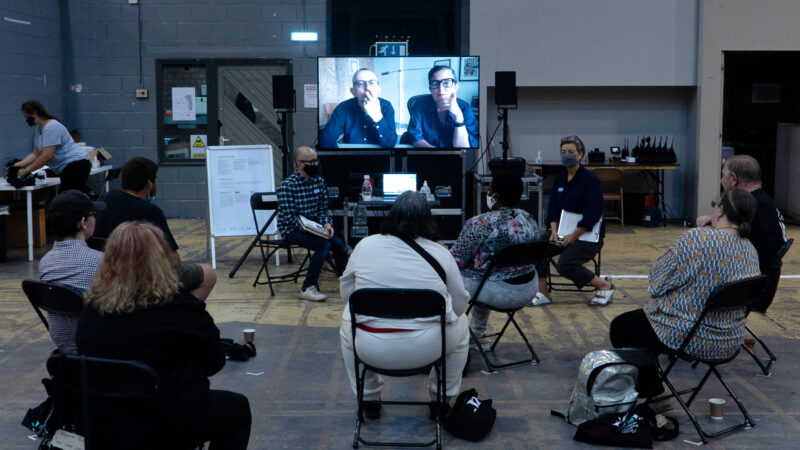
pixel 395 184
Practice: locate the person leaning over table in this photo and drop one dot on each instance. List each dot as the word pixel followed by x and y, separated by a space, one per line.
pixel 483 237
pixel 576 190
pixel 442 120
pixel 385 261
pixel 53 146
pixel 680 282
pixel 364 119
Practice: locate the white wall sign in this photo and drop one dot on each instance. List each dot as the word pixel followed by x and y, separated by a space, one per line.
pixel 309 95
pixel 183 104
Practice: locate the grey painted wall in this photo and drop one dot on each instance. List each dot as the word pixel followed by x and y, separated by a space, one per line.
pixel 30 68
pixel 587 42
pixel 603 70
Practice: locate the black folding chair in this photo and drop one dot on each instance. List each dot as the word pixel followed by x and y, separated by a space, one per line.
pixel 268 201
pixel 512 256
pixel 568 286
pixel 403 304
pixel 52 298
pixel 761 306
pixel 730 296
pixel 112 403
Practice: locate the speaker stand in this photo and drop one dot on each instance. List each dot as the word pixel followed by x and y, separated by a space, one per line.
pixel 284 142
pixel 506 166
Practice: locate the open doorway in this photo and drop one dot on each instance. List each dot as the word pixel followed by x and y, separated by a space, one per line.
pixel 761 90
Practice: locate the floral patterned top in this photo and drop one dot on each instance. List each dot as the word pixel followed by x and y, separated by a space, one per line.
pixel 681 280
pixel 488 233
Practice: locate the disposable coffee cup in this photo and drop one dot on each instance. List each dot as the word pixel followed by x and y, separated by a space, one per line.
pixel 716 406
pixel 750 344
pixel 249 335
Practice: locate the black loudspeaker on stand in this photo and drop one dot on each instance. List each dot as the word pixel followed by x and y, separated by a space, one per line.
pixel 505 90
pixel 283 101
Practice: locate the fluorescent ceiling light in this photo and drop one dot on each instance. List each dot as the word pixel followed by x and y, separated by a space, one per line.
pixel 305 36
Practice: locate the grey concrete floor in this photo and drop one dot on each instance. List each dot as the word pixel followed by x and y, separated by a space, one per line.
pixel 298 388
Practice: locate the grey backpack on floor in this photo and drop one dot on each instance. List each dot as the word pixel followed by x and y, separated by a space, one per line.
pixel 606 385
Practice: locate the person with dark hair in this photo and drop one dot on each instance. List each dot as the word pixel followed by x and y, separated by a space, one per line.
pixel 576 190
pixel 680 282
pixel 70 263
pixel 769 232
pixel 53 146
pixel 137 310
pixel 133 203
pixel 364 119
pixel 304 193
pixel 485 235
pixel 386 261
pixel 442 120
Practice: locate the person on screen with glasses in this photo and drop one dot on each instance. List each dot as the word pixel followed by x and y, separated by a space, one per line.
pixel 363 119
pixel 304 193
pixel 442 120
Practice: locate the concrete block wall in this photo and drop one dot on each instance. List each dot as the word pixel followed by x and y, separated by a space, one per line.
pixel 104 40
pixel 95 44
pixel 30 68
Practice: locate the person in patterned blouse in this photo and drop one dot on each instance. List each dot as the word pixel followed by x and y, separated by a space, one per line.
pixel 485 235
pixel 70 263
pixel 680 282
pixel 304 193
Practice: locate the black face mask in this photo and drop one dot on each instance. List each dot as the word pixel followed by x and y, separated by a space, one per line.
pixel 310 170
pixel 30 120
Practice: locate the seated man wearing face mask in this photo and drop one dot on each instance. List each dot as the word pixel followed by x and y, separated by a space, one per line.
pixel 133 204
pixel 304 193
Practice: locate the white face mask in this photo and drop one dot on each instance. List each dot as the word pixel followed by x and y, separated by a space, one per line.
pixel 490 201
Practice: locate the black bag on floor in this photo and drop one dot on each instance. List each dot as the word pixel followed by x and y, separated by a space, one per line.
pixel 238 352
pixel 631 429
pixel 471 419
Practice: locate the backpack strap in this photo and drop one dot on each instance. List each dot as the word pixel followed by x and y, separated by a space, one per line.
pixel 560 415
pixel 428 257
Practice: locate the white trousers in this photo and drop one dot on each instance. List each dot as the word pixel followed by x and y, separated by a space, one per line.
pixel 406 350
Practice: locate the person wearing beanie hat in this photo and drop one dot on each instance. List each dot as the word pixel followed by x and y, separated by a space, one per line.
pixel 70 263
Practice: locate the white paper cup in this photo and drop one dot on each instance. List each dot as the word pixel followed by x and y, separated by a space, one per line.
pixel 716 407
pixel 249 334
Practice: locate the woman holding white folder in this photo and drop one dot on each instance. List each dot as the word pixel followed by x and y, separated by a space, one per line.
pixel 577 196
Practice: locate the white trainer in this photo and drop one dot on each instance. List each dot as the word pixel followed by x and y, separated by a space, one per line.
pixel 604 296
pixel 540 299
pixel 313 294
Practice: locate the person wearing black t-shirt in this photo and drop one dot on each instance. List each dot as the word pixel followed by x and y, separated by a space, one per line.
pixel 769 232
pixel 133 203
pixel 137 310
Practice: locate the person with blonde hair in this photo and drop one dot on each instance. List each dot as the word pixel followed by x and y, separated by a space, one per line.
pixel 137 310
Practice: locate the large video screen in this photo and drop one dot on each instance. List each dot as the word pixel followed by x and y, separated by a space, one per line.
pixel 388 102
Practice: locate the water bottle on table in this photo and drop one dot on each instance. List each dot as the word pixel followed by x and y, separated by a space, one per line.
pixel 426 190
pixel 366 189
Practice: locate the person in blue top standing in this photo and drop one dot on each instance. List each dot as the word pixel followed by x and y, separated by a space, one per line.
pixel 364 119
pixel 442 120
pixel 53 146
pixel 576 190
